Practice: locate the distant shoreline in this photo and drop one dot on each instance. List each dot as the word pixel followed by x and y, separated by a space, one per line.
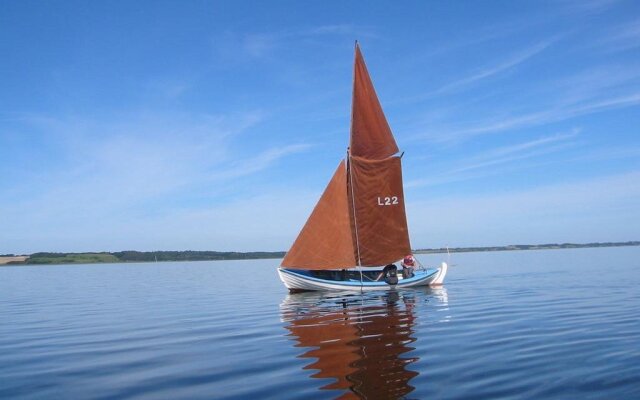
pixel 162 256
pixel 516 247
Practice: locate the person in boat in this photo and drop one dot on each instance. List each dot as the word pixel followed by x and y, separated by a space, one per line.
pixel 390 274
pixel 408 264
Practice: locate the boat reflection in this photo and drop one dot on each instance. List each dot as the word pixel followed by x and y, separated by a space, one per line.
pixel 357 341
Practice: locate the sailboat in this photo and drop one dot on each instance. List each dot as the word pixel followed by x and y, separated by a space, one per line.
pixel 357 233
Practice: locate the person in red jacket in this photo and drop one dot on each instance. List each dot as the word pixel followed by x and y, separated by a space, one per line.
pixel 408 264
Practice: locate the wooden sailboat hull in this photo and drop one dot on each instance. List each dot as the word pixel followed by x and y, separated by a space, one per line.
pixel 302 280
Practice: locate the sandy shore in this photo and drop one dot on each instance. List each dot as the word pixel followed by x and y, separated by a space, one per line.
pixel 5 260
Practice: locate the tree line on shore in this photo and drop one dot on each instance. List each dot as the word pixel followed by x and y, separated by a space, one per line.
pixel 144 256
pixel 191 255
pixel 546 246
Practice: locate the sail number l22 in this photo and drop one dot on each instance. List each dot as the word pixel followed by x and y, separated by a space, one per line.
pixel 387 201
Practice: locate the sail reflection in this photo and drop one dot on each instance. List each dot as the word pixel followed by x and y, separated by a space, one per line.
pixel 357 341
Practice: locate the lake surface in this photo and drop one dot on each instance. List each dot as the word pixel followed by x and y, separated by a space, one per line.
pixel 529 324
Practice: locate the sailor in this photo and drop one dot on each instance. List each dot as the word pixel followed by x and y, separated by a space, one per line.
pixel 390 274
pixel 408 264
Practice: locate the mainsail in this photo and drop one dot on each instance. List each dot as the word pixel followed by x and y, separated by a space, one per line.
pixel 378 211
pixel 360 219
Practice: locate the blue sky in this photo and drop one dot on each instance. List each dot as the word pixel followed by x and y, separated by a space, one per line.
pixel 216 125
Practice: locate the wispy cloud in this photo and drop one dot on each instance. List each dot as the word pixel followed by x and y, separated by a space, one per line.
pixel 136 184
pixel 489 72
pixel 620 38
pixel 586 7
pixel 231 48
pixel 594 84
pixel 339 29
pixel 261 222
pixel 469 169
pixel 554 114
pixel 140 154
pixel 259 44
pixel 258 163
pixel 606 154
pixel 132 167
pixel 482 74
pixel 169 88
pixel 236 47
pixel 517 152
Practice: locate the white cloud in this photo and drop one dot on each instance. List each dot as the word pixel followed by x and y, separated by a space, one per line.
pixel 117 175
pixel 599 209
pixel 268 222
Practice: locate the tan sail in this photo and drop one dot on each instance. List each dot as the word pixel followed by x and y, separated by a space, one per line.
pixel 379 211
pixel 371 136
pixel 325 241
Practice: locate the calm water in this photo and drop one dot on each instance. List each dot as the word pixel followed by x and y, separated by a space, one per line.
pixel 536 324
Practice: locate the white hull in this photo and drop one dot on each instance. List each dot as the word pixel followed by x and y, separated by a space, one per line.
pixel 300 282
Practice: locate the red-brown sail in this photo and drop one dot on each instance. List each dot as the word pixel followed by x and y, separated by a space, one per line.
pixel 379 213
pixel 371 136
pixel 360 218
pixel 325 241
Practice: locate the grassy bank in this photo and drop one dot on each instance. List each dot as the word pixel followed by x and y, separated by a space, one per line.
pixel 140 256
pixel 71 258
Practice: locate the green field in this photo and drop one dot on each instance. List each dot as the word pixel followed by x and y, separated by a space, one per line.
pixel 73 258
pixel 142 256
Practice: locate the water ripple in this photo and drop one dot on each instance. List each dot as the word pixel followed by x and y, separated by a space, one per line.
pixel 515 325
